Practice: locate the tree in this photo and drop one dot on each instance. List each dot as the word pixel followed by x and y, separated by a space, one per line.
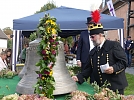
pixel 48 6
pixel 9 43
pixel 8 31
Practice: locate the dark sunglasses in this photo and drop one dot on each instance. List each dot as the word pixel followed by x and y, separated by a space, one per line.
pixel 92 37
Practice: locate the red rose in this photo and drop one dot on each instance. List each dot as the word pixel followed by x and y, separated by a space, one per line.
pixel 43 52
pixel 46 72
pixel 56 43
pixel 53 52
pixel 51 40
pixel 45 58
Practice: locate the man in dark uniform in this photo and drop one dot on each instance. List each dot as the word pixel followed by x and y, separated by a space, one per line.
pixel 110 54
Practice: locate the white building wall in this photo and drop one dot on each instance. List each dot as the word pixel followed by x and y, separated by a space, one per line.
pixel 3 44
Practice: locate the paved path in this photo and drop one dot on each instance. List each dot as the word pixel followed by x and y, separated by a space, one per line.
pixel 130 70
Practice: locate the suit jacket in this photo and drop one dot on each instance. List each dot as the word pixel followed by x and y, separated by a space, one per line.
pixel 83 47
pixel 128 44
pixel 2 64
pixel 112 53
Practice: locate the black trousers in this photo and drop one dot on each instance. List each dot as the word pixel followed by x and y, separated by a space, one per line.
pixel 83 67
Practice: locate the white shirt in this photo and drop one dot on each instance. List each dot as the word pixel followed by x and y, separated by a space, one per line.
pixel 102 43
pixel 2 64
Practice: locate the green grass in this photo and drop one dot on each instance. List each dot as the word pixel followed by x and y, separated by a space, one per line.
pixel 130 89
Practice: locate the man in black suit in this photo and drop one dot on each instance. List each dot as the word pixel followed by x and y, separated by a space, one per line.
pixel 107 61
pixel 83 48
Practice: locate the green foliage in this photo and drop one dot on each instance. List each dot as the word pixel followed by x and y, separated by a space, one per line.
pixel 48 6
pixel 8 31
pixel 7 73
pixel 130 89
pixel 73 70
pixel 48 50
pixel 70 40
pixel 33 36
pixel 9 43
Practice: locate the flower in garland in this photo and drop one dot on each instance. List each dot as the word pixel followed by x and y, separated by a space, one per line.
pixel 40 87
pixel 43 52
pixel 51 73
pixel 51 40
pixel 48 50
pixel 43 77
pixel 56 43
pixel 50 65
pixel 40 75
pixel 53 31
pixel 53 52
pixel 51 22
pixel 48 30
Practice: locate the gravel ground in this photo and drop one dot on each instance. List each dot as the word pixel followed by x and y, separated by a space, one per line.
pixel 130 70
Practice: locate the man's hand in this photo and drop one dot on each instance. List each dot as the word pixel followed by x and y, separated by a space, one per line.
pixel 128 48
pixel 109 70
pixel 79 63
pixel 75 78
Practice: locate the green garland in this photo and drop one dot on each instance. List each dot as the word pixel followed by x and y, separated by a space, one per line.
pixel 48 50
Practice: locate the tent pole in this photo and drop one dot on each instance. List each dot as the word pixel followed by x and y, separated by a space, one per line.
pixel 122 32
pixel 20 42
pixel 17 44
pixel 14 50
pixel 121 37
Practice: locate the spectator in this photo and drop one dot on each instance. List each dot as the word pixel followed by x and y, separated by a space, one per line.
pixel 66 48
pixel 9 58
pixel 128 47
pixel 3 63
pixel 76 44
pixel 23 54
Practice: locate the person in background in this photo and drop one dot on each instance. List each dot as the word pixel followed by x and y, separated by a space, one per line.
pixel 128 47
pixel 84 46
pixel 83 49
pixel 9 58
pixel 72 48
pixel 23 54
pixel 3 63
pixel 66 47
pixel 107 61
pixel 76 44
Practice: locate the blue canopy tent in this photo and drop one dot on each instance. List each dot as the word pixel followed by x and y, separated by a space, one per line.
pixel 71 22
pixel 68 18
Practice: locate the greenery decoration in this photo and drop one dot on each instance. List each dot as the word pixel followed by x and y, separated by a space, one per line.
pixel 48 49
pixel 33 36
pixel 5 73
pixel 73 70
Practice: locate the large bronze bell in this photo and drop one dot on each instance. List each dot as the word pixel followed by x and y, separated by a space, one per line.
pixel 63 81
pixel 24 69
